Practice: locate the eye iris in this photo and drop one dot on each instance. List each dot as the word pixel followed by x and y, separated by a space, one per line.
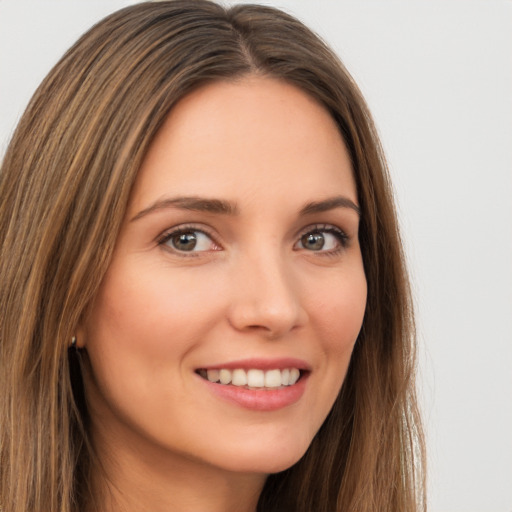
pixel 184 241
pixel 313 241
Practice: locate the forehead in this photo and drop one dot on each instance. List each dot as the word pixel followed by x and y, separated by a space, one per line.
pixel 232 139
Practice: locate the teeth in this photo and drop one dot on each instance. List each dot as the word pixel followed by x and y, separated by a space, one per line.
pixel 253 378
pixel 273 379
pixel 225 376
pixel 239 378
pixel 256 378
pixel 294 375
pixel 212 375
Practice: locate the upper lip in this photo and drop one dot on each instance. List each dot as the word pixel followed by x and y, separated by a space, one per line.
pixel 261 364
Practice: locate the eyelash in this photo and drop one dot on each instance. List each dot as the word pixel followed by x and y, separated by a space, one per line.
pixel 182 230
pixel 339 234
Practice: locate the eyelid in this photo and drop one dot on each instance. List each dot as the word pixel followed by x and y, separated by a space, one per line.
pixel 184 228
pixel 341 234
pixel 165 236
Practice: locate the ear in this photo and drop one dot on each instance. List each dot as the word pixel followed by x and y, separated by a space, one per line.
pixel 79 337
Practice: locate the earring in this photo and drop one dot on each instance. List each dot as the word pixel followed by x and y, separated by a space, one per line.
pixel 73 342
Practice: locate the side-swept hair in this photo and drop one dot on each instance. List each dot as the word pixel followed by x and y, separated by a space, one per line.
pixel 64 186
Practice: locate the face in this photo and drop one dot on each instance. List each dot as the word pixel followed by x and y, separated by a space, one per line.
pixel 224 326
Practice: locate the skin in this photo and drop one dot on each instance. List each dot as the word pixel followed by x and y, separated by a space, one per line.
pixel 251 288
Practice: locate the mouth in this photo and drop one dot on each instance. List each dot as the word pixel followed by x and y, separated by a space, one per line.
pixel 253 378
pixel 260 385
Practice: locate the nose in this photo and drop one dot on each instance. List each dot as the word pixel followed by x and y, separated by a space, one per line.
pixel 266 299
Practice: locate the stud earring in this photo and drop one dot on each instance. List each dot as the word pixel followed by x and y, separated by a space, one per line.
pixel 73 342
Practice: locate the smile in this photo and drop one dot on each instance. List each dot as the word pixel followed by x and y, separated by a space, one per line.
pixel 253 378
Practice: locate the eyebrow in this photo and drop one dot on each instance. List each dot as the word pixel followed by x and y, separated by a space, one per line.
pixel 220 206
pixel 192 203
pixel 330 204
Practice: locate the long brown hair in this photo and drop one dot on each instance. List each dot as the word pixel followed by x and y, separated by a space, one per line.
pixel 64 185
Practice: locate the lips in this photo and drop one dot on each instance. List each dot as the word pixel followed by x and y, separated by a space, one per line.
pixel 260 385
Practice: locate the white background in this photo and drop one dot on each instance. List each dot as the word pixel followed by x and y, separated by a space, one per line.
pixel 438 77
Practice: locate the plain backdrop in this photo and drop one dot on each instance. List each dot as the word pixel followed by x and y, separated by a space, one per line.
pixel 437 75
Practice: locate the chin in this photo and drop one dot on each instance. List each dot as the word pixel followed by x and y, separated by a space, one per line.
pixel 265 458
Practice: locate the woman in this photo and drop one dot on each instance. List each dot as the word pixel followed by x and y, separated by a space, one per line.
pixel 204 300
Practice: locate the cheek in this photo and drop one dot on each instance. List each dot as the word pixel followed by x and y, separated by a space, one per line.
pixel 338 312
pixel 141 327
pixel 147 314
pixel 336 317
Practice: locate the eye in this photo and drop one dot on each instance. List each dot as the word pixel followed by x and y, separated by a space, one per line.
pixel 189 240
pixel 328 239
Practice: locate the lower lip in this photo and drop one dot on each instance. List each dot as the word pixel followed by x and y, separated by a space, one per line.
pixel 260 399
